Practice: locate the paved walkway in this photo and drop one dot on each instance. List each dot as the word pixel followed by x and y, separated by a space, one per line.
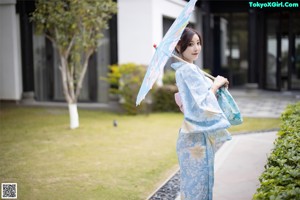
pixel 262 103
pixel 239 163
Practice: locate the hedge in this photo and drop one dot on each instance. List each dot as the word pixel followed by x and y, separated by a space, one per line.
pixel 163 99
pixel 281 178
pixel 125 80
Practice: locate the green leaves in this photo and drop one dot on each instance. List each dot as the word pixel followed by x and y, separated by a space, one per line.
pixel 75 28
pixel 63 20
pixel 281 178
pixel 125 80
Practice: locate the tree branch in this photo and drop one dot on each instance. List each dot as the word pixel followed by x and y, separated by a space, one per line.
pixel 70 46
pixel 51 39
pixel 64 79
pixel 82 74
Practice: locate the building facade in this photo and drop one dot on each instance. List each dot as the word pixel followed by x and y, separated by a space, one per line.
pixel 247 44
pixel 254 43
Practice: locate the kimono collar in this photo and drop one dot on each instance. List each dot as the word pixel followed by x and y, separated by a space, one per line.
pixel 178 65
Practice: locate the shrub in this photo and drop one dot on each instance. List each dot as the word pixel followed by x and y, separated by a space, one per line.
pixel 125 80
pixel 163 99
pixel 281 178
pixel 169 78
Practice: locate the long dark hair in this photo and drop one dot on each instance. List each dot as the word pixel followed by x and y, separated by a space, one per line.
pixel 186 38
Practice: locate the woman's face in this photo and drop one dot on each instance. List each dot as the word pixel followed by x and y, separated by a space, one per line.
pixel 192 51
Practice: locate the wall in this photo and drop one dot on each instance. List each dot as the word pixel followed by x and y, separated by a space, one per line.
pixel 135 31
pixel 10 65
pixel 140 25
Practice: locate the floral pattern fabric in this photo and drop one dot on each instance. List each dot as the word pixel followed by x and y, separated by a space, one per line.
pixel 204 125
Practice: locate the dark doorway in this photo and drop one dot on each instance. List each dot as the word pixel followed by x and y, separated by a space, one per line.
pixel 282 51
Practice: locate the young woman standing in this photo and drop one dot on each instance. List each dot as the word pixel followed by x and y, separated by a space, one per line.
pixel 204 123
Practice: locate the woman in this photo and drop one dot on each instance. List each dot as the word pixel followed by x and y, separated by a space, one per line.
pixel 204 123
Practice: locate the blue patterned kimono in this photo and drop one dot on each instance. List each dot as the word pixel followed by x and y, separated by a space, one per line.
pixel 204 126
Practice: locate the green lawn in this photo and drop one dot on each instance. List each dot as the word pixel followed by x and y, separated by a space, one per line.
pixel 96 161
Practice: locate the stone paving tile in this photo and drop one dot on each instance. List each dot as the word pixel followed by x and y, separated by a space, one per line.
pixel 239 163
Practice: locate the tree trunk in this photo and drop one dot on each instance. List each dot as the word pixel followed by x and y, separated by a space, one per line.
pixel 74 119
pixel 69 93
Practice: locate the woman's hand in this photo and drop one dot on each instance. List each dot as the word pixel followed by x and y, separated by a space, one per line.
pixel 219 82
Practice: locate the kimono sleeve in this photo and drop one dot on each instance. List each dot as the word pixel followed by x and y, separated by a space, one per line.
pixel 201 107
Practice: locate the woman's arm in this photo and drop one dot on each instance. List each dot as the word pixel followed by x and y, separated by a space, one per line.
pixel 219 82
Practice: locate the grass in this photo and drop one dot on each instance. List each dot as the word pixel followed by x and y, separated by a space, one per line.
pixel 255 124
pixel 96 161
